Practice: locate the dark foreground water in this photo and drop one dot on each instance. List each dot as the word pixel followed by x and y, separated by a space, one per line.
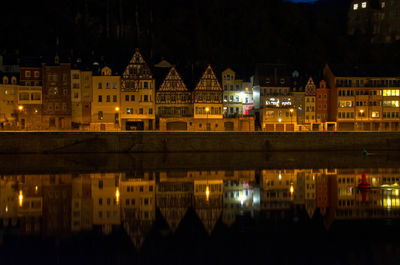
pixel 210 208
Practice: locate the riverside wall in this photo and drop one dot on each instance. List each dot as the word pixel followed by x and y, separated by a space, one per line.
pixel 172 142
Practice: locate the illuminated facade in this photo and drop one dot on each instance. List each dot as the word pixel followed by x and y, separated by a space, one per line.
pixel 105 107
pixel 174 100
pixel 208 98
pixel 364 103
pixel 137 95
pixel 310 108
pixel 9 116
pixel 233 93
pixel 277 109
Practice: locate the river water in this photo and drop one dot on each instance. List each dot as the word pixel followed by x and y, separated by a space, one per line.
pixel 203 208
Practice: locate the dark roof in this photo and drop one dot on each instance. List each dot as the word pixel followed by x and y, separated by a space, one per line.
pixel 365 70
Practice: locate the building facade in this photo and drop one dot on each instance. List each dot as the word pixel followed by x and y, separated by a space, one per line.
pixel 138 95
pixel 56 107
pixel 9 116
pixel 363 102
pixel 173 99
pixel 377 19
pixel 30 98
pixel 105 108
pixel 310 109
pixel 233 94
pixel 207 97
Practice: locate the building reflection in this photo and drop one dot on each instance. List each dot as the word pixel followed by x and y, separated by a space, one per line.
pixel 52 205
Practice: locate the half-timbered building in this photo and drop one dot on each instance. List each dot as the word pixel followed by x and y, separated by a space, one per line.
pixel 137 95
pixel 207 97
pixel 173 98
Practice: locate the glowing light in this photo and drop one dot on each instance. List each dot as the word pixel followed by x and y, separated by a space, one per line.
pixel 20 198
pixel 6 208
pixel 361 111
pixel 291 110
pixel 364 4
pixel 20 107
pixel 207 109
pixel 280 120
pixel 117 195
pixel 36 188
pixel 396 192
pixel 291 189
pixel 207 193
pixel 116 108
pixel 355 6
pixel 280 176
pixel 36 110
pixel 389 202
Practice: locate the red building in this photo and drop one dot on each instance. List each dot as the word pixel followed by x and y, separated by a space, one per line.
pixel 322 102
pixel 30 98
pixel 56 107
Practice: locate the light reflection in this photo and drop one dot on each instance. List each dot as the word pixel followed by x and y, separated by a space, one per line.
pixel 111 199
pixel 20 198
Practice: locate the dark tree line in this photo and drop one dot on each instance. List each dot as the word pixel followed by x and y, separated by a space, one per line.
pixel 238 33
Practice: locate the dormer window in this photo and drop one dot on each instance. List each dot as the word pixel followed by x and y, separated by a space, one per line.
pixel 268 80
pixel 355 6
pixel 282 81
pixel 13 80
pixel 5 80
pixel 27 73
pixel 364 5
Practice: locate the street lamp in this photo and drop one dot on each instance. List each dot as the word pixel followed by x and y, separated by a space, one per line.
pixel 20 107
pixel 118 117
pixel 361 114
pixel 291 115
pixel 207 110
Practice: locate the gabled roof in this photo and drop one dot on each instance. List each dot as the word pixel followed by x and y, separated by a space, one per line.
pixel 208 77
pixel 137 68
pixel 173 82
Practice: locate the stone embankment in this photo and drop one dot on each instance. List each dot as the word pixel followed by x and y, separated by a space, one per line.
pixel 173 142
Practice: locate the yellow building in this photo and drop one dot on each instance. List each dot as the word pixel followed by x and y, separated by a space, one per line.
pixel 138 95
pixel 105 107
pixel 233 94
pixel 8 101
pixel 363 99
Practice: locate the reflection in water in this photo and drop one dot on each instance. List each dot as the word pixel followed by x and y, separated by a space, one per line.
pixel 61 204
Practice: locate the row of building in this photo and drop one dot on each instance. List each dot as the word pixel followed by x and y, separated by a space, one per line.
pixel 273 98
pixel 60 204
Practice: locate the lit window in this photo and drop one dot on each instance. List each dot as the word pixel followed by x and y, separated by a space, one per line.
pixel 364 4
pixel 355 6
pixel 383 4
